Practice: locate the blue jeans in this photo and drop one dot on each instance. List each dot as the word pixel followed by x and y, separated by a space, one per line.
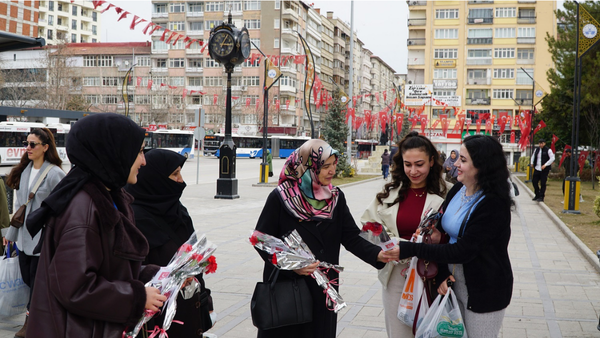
pixel 385 168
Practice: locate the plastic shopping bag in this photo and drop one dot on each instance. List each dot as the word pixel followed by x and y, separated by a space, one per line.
pixel 14 293
pixel 443 319
pixel 422 309
pixel 411 294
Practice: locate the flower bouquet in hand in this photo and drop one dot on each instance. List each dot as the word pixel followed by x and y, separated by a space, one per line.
pixel 428 222
pixel 374 233
pixel 292 253
pixel 192 258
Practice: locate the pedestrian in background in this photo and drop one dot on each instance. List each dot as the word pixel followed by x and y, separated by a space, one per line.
pixel 306 201
pixel 450 168
pixel 166 224
pixel 41 163
pixel 4 214
pixel 385 164
pixel 541 161
pixel 477 215
pixel 416 186
pixel 90 280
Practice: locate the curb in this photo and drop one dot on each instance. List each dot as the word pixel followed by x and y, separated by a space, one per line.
pixel 589 255
pixel 360 182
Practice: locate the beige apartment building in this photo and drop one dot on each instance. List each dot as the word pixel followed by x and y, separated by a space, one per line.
pixel 19 17
pixel 477 55
pixel 66 21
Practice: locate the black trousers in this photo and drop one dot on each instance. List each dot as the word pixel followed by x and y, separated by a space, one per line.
pixel 539 182
pixel 28 265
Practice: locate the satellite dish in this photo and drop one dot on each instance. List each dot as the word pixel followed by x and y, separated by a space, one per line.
pixel 126 62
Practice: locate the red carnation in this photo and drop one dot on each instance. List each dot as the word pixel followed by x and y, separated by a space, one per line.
pixel 212 265
pixel 253 239
pixel 197 257
pixel 374 227
pixel 186 248
pixel 274 259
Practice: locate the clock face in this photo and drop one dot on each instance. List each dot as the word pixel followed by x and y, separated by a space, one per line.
pixel 245 42
pixel 221 44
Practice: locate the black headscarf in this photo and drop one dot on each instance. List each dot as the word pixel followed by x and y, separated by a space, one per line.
pixel 102 146
pixel 159 213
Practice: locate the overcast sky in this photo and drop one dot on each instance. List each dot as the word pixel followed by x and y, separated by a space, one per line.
pixel 381 25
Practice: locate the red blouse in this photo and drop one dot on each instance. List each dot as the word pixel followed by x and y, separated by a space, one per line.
pixel 409 212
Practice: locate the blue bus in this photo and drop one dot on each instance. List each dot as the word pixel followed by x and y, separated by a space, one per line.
pixel 251 146
pixel 179 141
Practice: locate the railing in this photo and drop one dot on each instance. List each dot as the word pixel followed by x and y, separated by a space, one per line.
pixel 416 61
pixel 526 1
pixel 525 61
pixel 481 20
pixel 526 19
pixel 417 22
pixel 479 61
pixel 416 3
pixel 195 32
pixel 415 41
pixel 194 14
pixel 193 69
pixel 475 2
pixel 290 12
pixel 479 81
pixel 526 40
pixel 160 15
pixel 479 41
pixel 478 102
pixel 523 102
pixel 524 81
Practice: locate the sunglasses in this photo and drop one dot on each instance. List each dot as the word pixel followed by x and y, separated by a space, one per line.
pixel 31 144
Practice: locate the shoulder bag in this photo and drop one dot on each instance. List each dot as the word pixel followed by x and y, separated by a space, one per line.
pixel 19 216
pixel 279 303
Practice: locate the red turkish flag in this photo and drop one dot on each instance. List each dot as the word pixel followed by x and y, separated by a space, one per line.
pixel 554 139
pixel 152 127
pixel 414 122
pixel 184 93
pixel 215 99
pixel 478 124
pixel 582 157
pixel 287 104
pixel 488 126
pixel 564 154
pixel 138 81
pixel 353 101
pixel 384 96
pixel 257 102
pixel 248 102
pixel 512 136
pixel 435 123
pixel 423 119
pixel 277 105
pixel 399 121
pixel 383 119
pixel 149 84
pixel 539 127
pixel 377 97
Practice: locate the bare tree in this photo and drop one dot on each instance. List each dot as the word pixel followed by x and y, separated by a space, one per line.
pixel 22 87
pixel 62 81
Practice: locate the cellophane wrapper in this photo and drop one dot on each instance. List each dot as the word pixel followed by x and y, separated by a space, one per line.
pixel 374 233
pixel 191 259
pixel 292 253
pixel 429 221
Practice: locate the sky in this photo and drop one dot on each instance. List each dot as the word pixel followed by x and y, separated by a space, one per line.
pixel 380 25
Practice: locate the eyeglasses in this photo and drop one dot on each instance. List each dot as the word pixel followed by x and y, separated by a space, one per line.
pixel 31 144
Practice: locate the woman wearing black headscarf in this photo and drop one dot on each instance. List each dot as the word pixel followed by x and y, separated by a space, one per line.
pixel 165 222
pixel 90 278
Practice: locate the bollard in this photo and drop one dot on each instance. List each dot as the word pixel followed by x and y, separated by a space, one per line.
pixel 571 198
pixel 517 167
pixel 264 173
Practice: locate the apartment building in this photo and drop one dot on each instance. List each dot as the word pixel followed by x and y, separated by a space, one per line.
pixel 478 55
pixel 66 21
pixel 20 17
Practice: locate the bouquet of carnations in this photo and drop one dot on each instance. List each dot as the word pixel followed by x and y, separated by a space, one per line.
pixel 292 253
pixel 374 233
pixel 192 258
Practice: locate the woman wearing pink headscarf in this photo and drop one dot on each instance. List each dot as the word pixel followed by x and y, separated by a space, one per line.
pixel 306 201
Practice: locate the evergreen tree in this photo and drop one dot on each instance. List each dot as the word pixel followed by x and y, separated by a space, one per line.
pixel 335 132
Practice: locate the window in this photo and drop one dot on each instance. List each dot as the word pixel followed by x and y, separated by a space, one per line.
pixel 276 24
pixel 74 10
pixel 195 7
pixel 51 5
pixel 525 54
pixel 287 81
pixel 177 81
pixel 95 16
pixel 524 94
pixel 177 25
pixel 51 20
pixel 74 24
pixel 142 61
pixel 74 38
pixel 504 73
pixel 94 40
pixel 446 33
pixel 446 13
pixel 502 93
pixel 277 4
pixel 178 7
pixel 177 63
pixel 248 64
pixel 252 24
pixel 255 42
pixel 50 35
pixel 60 7
pixel 110 81
pixel 94 30
pixel 92 99
pixel 480 33
pixel 251 81
pixel 195 81
pixel 234 6
pixel 444 73
pixel 160 8
pixel 479 53
pixel 161 63
pixel 91 81
pixel 480 13
pixel 194 63
pixel 477 73
pixel 506 12
pixel 523 78
pixel 141 99
pixel 252 5
pixel 527 32
pixel 444 93
pixel 213 81
pixel 210 24
pixel 196 25
pixel 527 13
pixel 110 99
pixel 504 53
pixel 503 33
pixel 445 53
pixel 210 63
pixel 276 43
pixel 158 45
pixel 213 6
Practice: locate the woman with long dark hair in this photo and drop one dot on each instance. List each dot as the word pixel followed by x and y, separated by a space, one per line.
pixel 39 162
pixel 477 215
pixel 90 279
pixel 416 186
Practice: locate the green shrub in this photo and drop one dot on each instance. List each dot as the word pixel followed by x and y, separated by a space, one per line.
pixel 597 206
pixel 523 163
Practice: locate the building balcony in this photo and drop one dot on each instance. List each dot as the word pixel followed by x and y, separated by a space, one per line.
pixel 479 61
pixel 195 88
pixel 526 19
pixel 289 51
pixel 415 42
pixel 339 72
pixel 160 16
pixel 523 102
pixel 416 3
pixel 287 90
pixel 480 41
pixel 194 14
pixel 477 2
pixel 417 22
pixel 525 61
pixel 194 70
pixel 526 1
pixel 161 70
pixel 160 51
pixel 525 81
pixel 481 20
pixel 289 34
pixel 62 28
pixel 289 14
pixel 236 88
pixel 420 61
pixel 194 51
pixel 526 40
pixel 288 69
pixel 479 81
pixel 478 102
pixel 195 32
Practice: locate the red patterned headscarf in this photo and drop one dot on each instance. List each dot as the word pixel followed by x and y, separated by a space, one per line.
pixel 299 187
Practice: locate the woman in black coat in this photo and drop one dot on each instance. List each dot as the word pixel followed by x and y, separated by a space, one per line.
pixel 306 201
pixel 165 222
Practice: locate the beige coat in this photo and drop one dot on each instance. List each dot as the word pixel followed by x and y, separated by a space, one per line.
pixel 385 214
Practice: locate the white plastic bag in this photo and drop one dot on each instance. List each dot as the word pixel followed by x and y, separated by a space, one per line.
pixel 422 309
pixel 14 293
pixel 411 293
pixel 443 319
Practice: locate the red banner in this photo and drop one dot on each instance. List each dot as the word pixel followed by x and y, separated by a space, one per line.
pixel 554 139
pixel 582 157
pixel 540 126
pixel 512 136
pixel 564 154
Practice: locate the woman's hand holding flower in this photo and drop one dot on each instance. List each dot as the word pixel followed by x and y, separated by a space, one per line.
pixel 308 270
pixel 154 300
pixel 389 256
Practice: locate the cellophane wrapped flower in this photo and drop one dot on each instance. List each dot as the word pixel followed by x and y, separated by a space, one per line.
pixel 292 253
pixel 374 233
pixel 429 221
pixel 192 258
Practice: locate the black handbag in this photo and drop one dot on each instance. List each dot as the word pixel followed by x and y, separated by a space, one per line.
pixel 281 303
